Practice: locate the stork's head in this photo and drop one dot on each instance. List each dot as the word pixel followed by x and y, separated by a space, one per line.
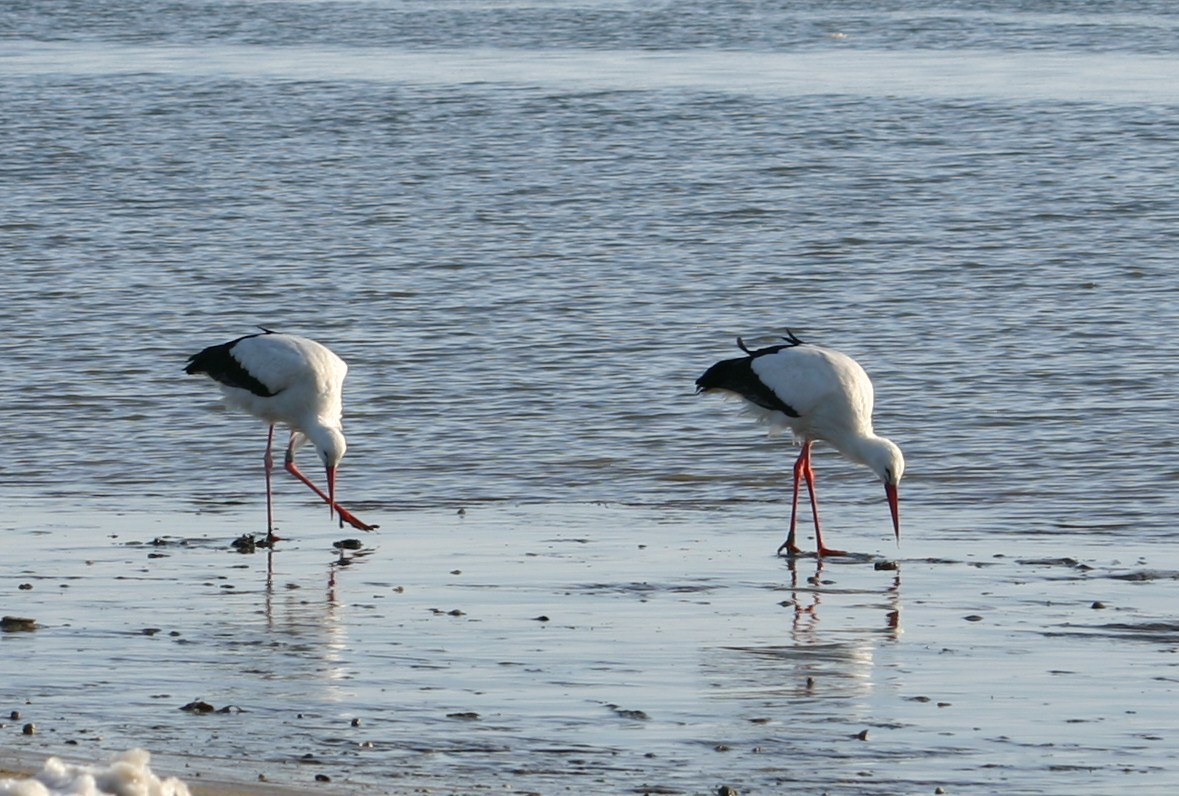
pixel 886 460
pixel 330 445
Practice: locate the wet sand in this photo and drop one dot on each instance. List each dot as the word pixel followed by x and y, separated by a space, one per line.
pixel 591 649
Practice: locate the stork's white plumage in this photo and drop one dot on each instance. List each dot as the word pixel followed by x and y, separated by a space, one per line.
pixel 283 378
pixel 819 394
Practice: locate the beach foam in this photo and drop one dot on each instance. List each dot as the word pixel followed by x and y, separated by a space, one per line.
pixel 128 774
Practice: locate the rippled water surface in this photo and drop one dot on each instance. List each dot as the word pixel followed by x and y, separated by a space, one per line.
pixel 528 227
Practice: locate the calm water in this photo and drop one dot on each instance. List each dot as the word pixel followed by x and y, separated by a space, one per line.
pixel 528 226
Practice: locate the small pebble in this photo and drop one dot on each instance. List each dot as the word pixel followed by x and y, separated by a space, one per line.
pixel 862 735
pixel 726 790
pixel 939 789
pixel 322 778
pixel 356 722
pixel 198 706
pixel 14 715
pixel 17 623
pixel 973 618
pixel 1098 605
pixel 29 729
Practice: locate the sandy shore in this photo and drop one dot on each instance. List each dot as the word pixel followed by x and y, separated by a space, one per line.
pixel 593 649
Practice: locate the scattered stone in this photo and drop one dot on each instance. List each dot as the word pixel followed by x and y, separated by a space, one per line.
pixel 29 729
pixel 862 735
pixel 322 778
pixel 348 544
pixel 150 631
pixel 973 618
pixel 722 747
pixel 1097 605
pixel 25 587
pixel 726 790
pixel 15 624
pixel 456 612
pixel 939 790
pixel 198 706
pixel 890 566
pixel 355 722
pixel 465 716
pixel 14 715
pixel 456 572
pixel 246 543
pixel 623 713
pixel 541 618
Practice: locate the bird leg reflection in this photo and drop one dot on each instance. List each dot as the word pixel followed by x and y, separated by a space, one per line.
pixel 806 617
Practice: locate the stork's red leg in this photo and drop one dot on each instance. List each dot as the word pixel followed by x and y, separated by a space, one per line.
pixel 268 461
pixel 345 515
pixel 789 546
pixel 809 474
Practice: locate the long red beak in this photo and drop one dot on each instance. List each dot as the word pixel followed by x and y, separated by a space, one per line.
pixel 331 479
pixel 891 491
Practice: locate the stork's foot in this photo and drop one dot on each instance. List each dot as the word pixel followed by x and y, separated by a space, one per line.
pixel 350 518
pixel 829 551
pixel 791 548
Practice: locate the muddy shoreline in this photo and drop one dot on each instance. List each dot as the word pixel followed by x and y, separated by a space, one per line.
pixel 598 648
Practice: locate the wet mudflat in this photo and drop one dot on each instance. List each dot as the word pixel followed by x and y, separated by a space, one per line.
pixel 589 649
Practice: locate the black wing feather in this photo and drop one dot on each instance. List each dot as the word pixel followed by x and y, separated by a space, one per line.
pixel 218 363
pixel 737 376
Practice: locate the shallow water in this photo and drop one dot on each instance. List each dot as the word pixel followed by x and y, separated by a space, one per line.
pixel 528 227
pixel 593 648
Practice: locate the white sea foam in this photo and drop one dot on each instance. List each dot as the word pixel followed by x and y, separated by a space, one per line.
pixel 128 774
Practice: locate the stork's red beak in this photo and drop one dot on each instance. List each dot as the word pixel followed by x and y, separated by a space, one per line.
pixel 331 479
pixel 891 491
